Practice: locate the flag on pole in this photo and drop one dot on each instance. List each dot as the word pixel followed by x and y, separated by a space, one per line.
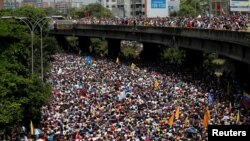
pixel 148 136
pixel 238 116
pixel 246 99
pixel 210 98
pixel 206 118
pixel 117 60
pixel 88 60
pixel 156 85
pixel 133 66
pixel 31 128
pixel 223 12
pixel 78 137
pixel 177 113
pixel 186 120
pixel 228 89
pixel 171 120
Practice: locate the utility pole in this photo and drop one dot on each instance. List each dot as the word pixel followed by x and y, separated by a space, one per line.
pixel 69 7
pixel 123 8
pixel 55 5
pixel 134 6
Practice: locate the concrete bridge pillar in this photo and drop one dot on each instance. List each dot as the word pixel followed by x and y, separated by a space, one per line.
pixel 242 73
pixel 114 47
pixel 84 44
pixel 151 51
pixel 194 57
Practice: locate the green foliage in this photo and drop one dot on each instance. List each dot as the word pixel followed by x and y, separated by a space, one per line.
pixel 21 94
pixel 71 44
pixel 99 47
pixel 208 60
pixel 186 10
pixel 20 97
pixel 72 12
pixel 129 52
pixel 190 8
pixel 30 12
pixel 173 56
pixel 11 28
pixel 4 12
pixel 94 10
pixel 50 11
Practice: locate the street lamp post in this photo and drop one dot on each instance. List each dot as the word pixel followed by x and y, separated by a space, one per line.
pixel 32 25
pixel 41 32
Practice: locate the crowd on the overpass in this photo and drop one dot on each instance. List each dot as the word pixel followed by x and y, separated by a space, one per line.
pixel 96 99
pixel 233 22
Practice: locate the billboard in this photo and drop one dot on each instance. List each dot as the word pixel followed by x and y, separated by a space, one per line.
pixel 240 5
pixel 158 3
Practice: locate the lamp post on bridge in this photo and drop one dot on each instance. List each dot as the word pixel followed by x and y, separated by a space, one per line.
pixel 32 24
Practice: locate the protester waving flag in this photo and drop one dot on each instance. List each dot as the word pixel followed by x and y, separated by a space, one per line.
pixel 186 121
pixel 148 136
pixel 210 98
pixel 117 60
pixel 206 118
pixel 133 66
pixel 246 100
pixel 156 85
pixel 177 113
pixel 238 116
pixel 171 120
pixel 31 128
pixel 88 60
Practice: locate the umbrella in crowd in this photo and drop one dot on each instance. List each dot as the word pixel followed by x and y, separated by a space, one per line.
pixel 191 130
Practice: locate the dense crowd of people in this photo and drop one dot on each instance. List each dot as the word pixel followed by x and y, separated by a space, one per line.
pixel 97 99
pixel 232 22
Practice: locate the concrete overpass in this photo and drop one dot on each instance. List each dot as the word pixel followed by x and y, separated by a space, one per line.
pixel 232 44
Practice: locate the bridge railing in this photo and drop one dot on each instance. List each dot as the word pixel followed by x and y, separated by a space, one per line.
pixel 210 34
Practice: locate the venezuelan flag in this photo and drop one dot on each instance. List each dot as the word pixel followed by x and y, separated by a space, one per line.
pixel 206 118
pixel 171 120
pixel 246 99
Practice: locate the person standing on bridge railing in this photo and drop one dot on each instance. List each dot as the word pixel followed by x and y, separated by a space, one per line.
pixel 55 25
pixel 134 24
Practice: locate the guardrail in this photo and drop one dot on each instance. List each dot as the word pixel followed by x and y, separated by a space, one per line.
pixel 237 37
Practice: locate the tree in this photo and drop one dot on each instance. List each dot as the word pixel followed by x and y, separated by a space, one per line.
pixel 50 11
pixel 190 8
pixel 94 10
pixel 21 94
pixel 208 60
pixel 99 46
pixel 30 12
pixel 173 56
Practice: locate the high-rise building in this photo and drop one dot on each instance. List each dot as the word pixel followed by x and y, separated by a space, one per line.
pixel 36 3
pixel 82 3
pixel 137 8
pixel 125 8
pixel 157 8
pixel 12 4
pixel 1 4
pixel 173 5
